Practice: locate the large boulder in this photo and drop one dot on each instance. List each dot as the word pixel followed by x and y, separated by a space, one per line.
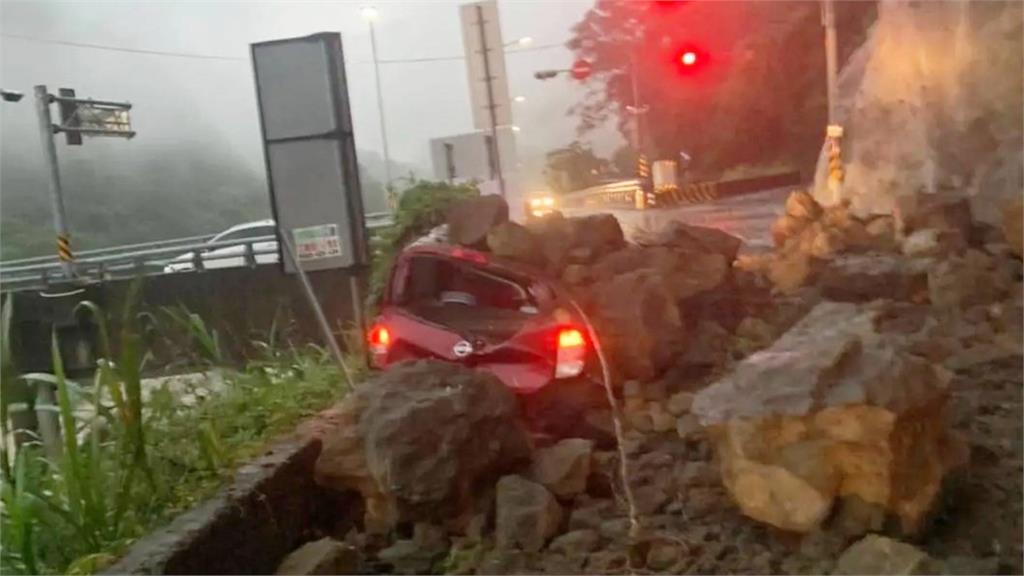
pixel 865 277
pixel 470 219
pixel 526 514
pixel 576 240
pixel 420 439
pixel 694 239
pixel 516 242
pixel 641 326
pixel 834 409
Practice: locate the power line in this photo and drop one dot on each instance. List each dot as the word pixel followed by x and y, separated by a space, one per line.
pixel 241 59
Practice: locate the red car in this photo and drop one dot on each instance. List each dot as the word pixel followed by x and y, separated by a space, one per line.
pixel 460 305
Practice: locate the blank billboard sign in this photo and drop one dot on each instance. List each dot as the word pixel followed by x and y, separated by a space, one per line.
pixel 309 150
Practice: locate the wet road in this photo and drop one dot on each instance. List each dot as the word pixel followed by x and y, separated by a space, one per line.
pixel 749 216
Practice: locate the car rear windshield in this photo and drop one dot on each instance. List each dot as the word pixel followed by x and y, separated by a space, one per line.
pixel 467 299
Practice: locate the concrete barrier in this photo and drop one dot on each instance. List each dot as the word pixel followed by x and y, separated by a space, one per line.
pixel 271 508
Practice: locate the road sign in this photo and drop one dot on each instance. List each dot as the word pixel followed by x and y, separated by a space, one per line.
pixel 581 69
pixel 480 68
pixel 310 152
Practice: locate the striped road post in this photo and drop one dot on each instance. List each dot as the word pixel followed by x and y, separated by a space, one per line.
pixel 834 137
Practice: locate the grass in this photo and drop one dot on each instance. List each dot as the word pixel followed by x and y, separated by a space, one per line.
pixel 144 456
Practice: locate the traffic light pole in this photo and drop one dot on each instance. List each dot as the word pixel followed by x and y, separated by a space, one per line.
pixel 380 114
pixel 60 221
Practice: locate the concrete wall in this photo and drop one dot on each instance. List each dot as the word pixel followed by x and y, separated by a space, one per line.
pixel 240 303
pixel 933 103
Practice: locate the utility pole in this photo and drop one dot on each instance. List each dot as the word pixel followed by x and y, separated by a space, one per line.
pixel 370 17
pixel 831 57
pixel 495 149
pixel 60 221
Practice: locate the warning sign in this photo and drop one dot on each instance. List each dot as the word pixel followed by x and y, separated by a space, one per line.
pixel 315 242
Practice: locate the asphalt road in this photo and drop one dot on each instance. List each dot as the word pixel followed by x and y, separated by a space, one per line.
pixel 749 216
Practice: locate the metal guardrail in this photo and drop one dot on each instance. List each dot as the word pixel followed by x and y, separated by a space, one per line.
pixel 159 257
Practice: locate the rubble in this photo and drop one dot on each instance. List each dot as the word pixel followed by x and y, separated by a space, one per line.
pixel 563 468
pixel 471 219
pixel 880 555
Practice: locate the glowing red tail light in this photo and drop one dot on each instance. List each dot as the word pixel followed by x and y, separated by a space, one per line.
pixel 379 339
pixel 571 353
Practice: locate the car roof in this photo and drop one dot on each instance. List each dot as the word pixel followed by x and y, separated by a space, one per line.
pixel 475 257
pixel 246 226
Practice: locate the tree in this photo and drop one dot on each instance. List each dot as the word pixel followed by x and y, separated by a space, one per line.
pixel 574 167
pixel 755 95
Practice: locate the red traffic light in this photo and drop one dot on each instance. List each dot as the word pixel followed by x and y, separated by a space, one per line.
pixel 688 58
pixel 581 69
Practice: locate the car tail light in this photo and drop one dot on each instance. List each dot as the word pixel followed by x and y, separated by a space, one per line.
pixel 571 353
pixel 379 339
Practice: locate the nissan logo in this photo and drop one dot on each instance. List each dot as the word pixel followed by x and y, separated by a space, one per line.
pixel 462 349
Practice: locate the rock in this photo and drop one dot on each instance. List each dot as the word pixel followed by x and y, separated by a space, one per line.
pixel 709 345
pixel 826 243
pixel 943 211
pixel 687 426
pixel 563 468
pixel 504 561
pixel 585 239
pixel 650 498
pixel 576 274
pixel 790 271
pixel 655 391
pixel 614 529
pixel 875 554
pixel 1013 225
pixel 576 543
pixel 882 232
pixel 679 403
pixel 661 420
pixel 865 277
pixel 527 515
pixel 640 325
pixel 695 239
pixel 969 280
pixel 933 242
pixel 800 204
pixel 416 438
pixel 965 565
pixel 836 406
pixel 471 219
pixel 696 473
pixel 755 334
pixel 590 516
pixel 788 227
pixel 632 389
pixel 514 241
pixel 607 562
pixel 685 274
pixel 663 555
pixel 323 556
pixel 407 557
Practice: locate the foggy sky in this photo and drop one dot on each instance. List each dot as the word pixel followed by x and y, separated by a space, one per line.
pixel 211 102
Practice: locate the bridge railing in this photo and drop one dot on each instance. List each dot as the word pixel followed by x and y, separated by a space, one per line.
pixel 159 257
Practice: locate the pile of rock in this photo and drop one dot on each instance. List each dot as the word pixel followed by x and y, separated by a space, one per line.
pixel 649 301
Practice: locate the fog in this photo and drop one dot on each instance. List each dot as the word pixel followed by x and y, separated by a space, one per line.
pixel 203 99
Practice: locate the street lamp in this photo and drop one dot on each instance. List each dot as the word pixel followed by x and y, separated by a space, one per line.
pixel 369 13
pixel 521 42
pixel 519 99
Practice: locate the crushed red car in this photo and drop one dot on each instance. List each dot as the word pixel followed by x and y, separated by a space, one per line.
pixel 460 305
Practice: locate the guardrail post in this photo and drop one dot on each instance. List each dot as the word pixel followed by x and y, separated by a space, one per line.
pixel 250 258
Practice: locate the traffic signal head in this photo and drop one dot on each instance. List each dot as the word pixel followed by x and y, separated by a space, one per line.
pixel 688 58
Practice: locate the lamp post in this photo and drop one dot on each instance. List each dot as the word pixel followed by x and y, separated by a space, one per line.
pixel 369 13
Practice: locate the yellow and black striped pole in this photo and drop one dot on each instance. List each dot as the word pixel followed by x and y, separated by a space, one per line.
pixel 834 136
pixel 644 197
pixel 64 249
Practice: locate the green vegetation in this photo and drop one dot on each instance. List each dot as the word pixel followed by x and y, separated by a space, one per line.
pixel 421 207
pixel 134 454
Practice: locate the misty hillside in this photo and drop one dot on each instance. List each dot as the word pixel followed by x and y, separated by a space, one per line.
pixel 183 190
